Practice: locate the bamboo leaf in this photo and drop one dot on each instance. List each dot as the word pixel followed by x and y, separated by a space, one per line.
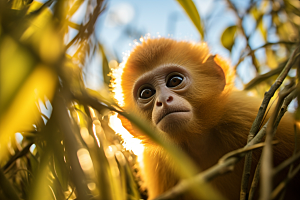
pixel 105 68
pixel 6 187
pixel 41 82
pixel 228 37
pixel 193 14
pixel 262 30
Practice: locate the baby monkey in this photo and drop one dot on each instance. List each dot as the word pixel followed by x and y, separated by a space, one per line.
pixel 188 94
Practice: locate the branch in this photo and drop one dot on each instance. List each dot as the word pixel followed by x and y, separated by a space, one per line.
pixel 279 189
pixel 283 184
pixel 225 165
pixel 263 46
pixel 283 109
pixel 258 79
pixel 285 164
pixel 257 122
pixel 266 158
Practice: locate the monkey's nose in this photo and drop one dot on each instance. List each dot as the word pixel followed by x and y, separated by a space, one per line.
pixel 161 102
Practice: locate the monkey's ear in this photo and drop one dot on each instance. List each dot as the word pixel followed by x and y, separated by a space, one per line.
pixel 219 73
pixel 126 124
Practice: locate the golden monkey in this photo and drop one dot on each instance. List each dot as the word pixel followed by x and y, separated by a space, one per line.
pixel 188 94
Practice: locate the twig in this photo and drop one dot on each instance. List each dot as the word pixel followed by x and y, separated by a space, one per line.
pixel 258 79
pixel 21 153
pixel 18 170
pixel 291 166
pixel 73 190
pixel 263 46
pixel 86 30
pixel 256 124
pixel 285 164
pixel 7 188
pixel 283 184
pixel 242 151
pixel 283 109
pixel 266 163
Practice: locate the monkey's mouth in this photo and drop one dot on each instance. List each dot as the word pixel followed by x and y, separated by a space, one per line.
pixel 170 112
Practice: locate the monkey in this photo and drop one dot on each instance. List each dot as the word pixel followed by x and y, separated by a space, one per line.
pixel 189 94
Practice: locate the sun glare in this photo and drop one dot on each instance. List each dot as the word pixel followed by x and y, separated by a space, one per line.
pixel 130 143
pixel 116 84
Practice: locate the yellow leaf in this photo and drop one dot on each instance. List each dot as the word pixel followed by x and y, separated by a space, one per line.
pixel 38 22
pixel 263 30
pixel 255 13
pixel 228 37
pixel 271 58
pixel 15 65
pixel 193 14
pixel 22 112
pixel 35 5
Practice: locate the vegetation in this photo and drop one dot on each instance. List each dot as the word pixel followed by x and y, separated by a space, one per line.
pixel 55 138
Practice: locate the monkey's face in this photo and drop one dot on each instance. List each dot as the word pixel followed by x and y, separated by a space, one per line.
pixel 159 95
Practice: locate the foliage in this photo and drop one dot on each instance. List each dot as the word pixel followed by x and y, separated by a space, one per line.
pixel 67 148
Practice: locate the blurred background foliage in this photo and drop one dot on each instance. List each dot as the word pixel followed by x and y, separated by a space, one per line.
pixel 56 136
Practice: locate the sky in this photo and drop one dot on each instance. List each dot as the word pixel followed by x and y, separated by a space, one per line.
pixel 127 20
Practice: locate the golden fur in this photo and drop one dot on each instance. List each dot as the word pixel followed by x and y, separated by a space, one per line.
pixel 222 121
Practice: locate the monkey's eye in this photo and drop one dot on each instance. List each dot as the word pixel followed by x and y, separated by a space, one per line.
pixel 146 93
pixel 174 80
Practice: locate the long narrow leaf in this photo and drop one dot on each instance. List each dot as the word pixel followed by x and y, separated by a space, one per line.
pixel 192 12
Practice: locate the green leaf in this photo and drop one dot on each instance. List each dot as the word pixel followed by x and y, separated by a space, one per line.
pixel 228 37
pixel 105 68
pixel 192 12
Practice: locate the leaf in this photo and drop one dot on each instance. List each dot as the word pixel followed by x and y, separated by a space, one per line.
pixel 291 8
pixel 61 167
pixel 228 37
pixel 105 68
pixel 193 14
pixel 271 58
pixel 15 65
pixel 40 186
pixel 41 82
pixel 255 13
pixel 263 30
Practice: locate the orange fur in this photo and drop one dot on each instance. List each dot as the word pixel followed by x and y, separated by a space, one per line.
pixel 221 120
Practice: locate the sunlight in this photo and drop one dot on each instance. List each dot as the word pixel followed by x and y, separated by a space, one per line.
pixel 85 160
pixel 116 84
pixel 130 143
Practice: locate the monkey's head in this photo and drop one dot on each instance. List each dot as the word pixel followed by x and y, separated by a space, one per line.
pixel 175 85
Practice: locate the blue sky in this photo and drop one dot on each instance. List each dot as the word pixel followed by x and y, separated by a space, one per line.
pixel 127 20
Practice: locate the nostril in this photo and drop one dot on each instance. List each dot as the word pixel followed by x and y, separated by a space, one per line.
pixel 170 99
pixel 158 103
